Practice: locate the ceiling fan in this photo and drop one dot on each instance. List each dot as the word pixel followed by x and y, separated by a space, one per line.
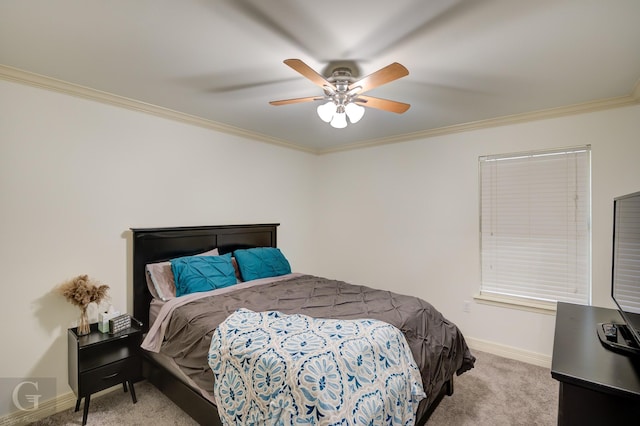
pixel 343 94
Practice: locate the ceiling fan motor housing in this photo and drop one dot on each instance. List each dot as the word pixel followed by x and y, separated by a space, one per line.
pixel 341 78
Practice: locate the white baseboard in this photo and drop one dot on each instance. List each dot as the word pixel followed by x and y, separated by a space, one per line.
pixel 510 352
pixel 45 409
pixel 48 408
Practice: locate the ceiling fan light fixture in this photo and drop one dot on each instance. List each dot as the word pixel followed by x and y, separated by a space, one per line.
pixel 326 111
pixel 354 111
pixel 339 120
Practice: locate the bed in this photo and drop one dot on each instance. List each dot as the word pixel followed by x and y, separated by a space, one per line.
pixel 439 361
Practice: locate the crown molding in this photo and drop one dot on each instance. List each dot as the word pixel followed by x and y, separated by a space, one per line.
pixel 601 104
pixel 48 83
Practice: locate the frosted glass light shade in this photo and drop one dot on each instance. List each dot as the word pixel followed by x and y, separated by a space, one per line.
pixel 339 120
pixel 326 111
pixel 354 111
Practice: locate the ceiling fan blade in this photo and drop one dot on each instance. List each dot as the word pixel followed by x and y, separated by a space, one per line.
pixel 384 75
pixel 295 100
pixel 308 72
pixel 383 104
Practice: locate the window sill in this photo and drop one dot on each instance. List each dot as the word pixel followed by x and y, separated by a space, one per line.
pixel 540 307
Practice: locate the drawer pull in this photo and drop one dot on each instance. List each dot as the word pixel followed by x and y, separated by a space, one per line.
pixel 110 376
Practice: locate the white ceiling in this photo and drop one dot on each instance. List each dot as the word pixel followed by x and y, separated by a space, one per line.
pixel 221 60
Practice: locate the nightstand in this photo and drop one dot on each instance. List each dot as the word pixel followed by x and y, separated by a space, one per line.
pixel 99 360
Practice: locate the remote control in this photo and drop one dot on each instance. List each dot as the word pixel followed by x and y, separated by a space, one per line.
pixel 610 332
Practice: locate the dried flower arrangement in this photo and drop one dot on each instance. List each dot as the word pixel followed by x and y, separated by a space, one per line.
pixel 81 291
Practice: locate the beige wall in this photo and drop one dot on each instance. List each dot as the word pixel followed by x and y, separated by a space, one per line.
pixel 75 175
pixel 405 216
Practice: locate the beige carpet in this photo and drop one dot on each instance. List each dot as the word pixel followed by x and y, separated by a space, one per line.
pixel 498 391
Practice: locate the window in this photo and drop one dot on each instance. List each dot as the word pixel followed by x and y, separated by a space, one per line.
pixel 535 225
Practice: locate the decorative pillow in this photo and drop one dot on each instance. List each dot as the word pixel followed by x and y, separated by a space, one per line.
pixel 160 277
pixel 194 274
pixel 235 266
pixel 261 262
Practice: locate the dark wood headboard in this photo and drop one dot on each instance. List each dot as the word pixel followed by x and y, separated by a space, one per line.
pixel 160 244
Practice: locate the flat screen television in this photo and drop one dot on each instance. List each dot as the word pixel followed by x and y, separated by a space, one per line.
pixel 625 276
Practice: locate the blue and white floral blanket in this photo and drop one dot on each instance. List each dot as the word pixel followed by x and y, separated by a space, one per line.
pixel 276 369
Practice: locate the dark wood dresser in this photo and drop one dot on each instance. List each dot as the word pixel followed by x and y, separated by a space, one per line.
pixel 597 386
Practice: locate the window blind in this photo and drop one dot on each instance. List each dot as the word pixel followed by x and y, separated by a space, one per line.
pixel 535 225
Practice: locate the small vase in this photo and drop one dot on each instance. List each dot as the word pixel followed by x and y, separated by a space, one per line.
pixel 83 325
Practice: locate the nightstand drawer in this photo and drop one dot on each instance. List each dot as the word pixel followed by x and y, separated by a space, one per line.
pixel 103 377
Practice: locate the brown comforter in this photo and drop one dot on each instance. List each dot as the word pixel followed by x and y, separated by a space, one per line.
pixel 437 345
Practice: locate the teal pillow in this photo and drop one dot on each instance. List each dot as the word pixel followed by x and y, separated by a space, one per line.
pixel 261 262
pixel 202 273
